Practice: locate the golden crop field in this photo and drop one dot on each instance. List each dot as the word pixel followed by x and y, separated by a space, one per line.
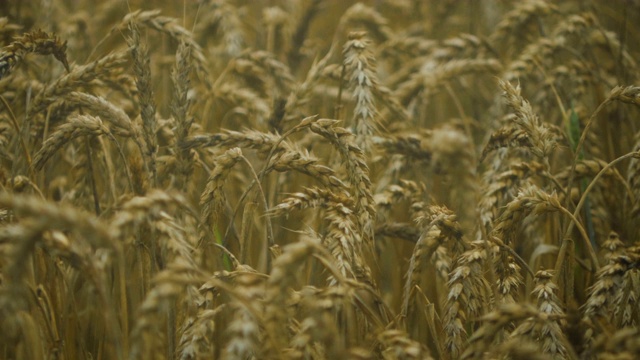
pixel 319 179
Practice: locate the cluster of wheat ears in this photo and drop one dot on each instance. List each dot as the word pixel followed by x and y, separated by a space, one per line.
pixel 319 179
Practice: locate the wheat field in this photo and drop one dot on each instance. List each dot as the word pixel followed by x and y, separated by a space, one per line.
pixel 319 179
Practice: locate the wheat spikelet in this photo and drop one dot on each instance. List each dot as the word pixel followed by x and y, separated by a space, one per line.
pixel 587 168
pixel 623 344
pixel 77 126
pixel 310 198
pixel 194 341
pixel 626 313
pixel 451 156
pixel 543 141
pixel 5 136
pixel 467 298
pixel 602 294
pixel 612 247
pixel 21 330
pixel 212 197
pixel 373 21
pixel 342 239
pixel 625 301
pixel 260 141
pixel 251 74
pixel 443 226
pixel 261 71
pixel 626 94
pixel 244 330
pixel 222 17
pixel 81 191
pixel 545 49
pixel 36 42
pixel 508 281
pixel 37 219
pixel 386 96
pixel 461 45
pixel 136 209
pixel 142 71
pixel 431 54
pixel 507 136
pixel 432 78
pixel 82 75
pixel 103 109
pixel 522 15
pixel 173 240
pixel 398 345
pixel 509 278
pixel 318 331
pixel 169 285
pixel 520 349
pixel 54 217
pixel 442 262
pixel 7 28
pixel 302 161
pixel 298 36
pixel 360 65
pixel 633 180
pixel 402 231
pixel 538 202
pixel 500 188
pixel 169 244
pixel 20 184
pixel 554 342
pixel 495 321
pixel 357 170
pixel 169 26
pixel 611 43
pixel 393 194
pixel 300 95
pixel 279 72
pixel 157 237
pixel 244 98
pixel 282 277
pixel 411 46
pixel 180 108
pixel 345 244
pixel 529 199
pixel 414 147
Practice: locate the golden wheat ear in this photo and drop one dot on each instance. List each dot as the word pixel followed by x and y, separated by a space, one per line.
pixel 34 42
